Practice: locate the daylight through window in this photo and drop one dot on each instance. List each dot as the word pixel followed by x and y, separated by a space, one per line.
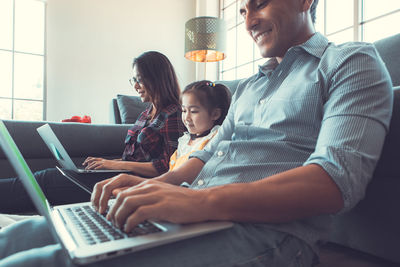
pixel 22 59
pixel 339 20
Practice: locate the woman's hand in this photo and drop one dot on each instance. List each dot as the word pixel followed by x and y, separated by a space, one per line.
pixel 92 163
pixel 156 200
pixel 103 190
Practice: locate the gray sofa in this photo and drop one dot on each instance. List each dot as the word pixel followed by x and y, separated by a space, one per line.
pixel 372 227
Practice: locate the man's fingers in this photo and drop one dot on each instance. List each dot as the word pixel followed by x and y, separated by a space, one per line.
pixel 133 193
pixel 149 212
pixel 106 193
pixel 120 180
pixel 132 205
pixel 97 190
pixel 116 191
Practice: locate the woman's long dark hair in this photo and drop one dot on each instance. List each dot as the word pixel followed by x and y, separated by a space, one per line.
pixel 159 78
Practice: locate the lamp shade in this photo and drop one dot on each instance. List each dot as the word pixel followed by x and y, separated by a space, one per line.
pixel 205 39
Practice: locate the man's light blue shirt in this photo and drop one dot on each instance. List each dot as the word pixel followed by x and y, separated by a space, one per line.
pixel 323 104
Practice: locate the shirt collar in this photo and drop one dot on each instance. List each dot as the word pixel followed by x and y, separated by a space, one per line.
pixel 267 68
pixel 315 46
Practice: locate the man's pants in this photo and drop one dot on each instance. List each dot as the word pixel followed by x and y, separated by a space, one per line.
pixel 29 243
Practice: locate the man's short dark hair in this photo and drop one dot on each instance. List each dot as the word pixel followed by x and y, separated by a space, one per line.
pixel 313 10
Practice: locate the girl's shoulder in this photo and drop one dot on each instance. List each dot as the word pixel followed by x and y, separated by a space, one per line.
pixel 214 130
pixel 184 139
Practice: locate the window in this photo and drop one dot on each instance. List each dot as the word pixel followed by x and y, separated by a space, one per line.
pixel 339 20
pixel 22 59
pixel 359 20
pixel 242 58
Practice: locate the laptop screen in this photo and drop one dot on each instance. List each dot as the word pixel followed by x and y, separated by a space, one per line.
pixel 22 169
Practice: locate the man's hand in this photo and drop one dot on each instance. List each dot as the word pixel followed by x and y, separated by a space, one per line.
pixel 154 200
pixel 92 163
pixel 116 191
pixel 102 191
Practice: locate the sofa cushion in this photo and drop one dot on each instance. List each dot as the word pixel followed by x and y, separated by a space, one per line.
pixel 129 108
pixel 232 85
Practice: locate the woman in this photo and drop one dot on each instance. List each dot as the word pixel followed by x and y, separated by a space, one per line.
pixel 153 138
pixel 149 144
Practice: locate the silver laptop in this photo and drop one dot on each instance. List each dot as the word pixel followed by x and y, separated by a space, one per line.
pixel 61 155
pixel 85 234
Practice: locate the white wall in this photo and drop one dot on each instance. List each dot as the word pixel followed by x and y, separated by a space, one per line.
pixel 210 71
pixel 91 44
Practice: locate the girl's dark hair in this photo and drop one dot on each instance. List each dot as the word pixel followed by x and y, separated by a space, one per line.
pixel 159 78
pixel 211 95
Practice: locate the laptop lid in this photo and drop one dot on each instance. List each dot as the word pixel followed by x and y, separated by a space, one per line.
pixel 61 155
pixel 27 178
pixel 56 148
pixel 55 222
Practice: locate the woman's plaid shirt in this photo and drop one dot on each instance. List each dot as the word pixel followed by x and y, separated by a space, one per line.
pixel 155 141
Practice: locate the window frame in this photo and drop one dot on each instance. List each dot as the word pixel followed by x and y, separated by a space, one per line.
pixel 15 52
pixel 357 28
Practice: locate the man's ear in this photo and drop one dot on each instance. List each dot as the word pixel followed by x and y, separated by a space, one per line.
pixel 216 114
pixel 307 4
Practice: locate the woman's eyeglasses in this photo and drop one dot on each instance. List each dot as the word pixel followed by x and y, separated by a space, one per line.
pixel 135 80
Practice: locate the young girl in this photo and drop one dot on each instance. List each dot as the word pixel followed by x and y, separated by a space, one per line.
pixel 204 107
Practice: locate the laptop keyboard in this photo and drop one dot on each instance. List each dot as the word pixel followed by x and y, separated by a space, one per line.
pixel 95 228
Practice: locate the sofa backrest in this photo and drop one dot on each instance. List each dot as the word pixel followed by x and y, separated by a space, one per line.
pixel 387 168
pixel 389 50
pixel 232 85
pixel 388 164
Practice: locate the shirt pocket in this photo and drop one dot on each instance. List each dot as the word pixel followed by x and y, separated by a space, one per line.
pixel 296 110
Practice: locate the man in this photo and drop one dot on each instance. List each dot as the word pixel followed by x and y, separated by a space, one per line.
pixel 300 143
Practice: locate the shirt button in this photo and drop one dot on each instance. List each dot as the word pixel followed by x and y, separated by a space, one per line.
pixel 200 182
pixel 220 153
pixel 262 101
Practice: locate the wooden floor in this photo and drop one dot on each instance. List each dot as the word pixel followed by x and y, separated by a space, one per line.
pixel 337 256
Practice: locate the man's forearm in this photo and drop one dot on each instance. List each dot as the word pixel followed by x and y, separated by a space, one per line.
pixel 187 172
pixel 302 192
